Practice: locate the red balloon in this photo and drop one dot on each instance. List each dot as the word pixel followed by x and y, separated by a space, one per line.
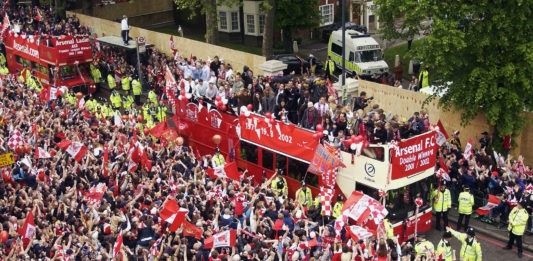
pixel 146 131
pixel 4 236
pixel 218 98
pixel 315 136
pixel 268 115
pixel 320 134
pixel 319 128
pixel 140 118
pixel 19 149
pixel 250 107
pixel 224 107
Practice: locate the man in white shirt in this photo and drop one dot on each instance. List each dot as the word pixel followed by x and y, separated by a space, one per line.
pixel 323 108
pixel 125 29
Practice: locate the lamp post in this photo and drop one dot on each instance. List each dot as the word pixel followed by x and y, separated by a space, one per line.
pixel 343 63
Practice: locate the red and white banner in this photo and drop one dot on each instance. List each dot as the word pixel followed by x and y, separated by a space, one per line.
pixel 326 196
pixel 360 207
pixel 28 229
pixel 15 139
pixel 229 171
pixel 358 233
pixel 226 238
pixel 324 159
pixel 442 135
pixel 278 136
pixel 95 194
pixel 414 155
pixel 492 203
pixel 172 213
pixel 74 148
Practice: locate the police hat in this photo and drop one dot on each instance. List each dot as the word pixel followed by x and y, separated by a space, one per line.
pixel 447 234
pixel 466 187
pixel 471 232
pixel 217 150
pixel 522 203
pixel 443 182
pixel 422 235
pixel 303 183
pixel 340 198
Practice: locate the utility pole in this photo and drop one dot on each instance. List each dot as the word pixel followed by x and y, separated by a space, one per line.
pixel 343 10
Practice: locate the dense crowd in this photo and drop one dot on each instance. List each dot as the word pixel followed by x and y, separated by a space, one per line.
pixel 269 225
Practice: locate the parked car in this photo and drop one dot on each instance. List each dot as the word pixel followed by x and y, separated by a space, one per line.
pixel 296 63
pixel 326 31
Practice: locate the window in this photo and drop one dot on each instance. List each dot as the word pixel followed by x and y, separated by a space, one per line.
pixel 261 24
pixel 250 24
pixel 268 160
pixel 351 58
pixel 223 21
pixel 249 152
pixel 336 48
pixel 377 153
pixel 371 55
pixel 298 170
pixel 234 21
pixel 326 12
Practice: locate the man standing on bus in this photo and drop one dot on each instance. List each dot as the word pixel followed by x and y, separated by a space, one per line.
pixel 125 29
pixel 304 196
pixel 279 185
pixel 442 201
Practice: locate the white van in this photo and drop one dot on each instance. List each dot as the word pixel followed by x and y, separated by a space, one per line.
pixel 363 54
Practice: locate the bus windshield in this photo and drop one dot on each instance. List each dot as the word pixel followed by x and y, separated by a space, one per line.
pixel 368 56
pixel 69 72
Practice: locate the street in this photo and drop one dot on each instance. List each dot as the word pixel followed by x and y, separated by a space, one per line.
pixel 492 248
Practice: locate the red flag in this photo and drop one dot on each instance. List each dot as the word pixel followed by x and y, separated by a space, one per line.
pixel 41 153
pixel 190 230
pixel 44 95
pixel 173 214
pixel 132 166
pixel 28 229
pixel 154 249
pixel 492 203
pixel 95 194
pixel 442 129
pixel 443 165
pixel 357 233
pixel 222 239
pixel 331 90
pixel 118 244
pixel 158 130
pixel 75 149
pixel 229 171
pixel 145 162
pixel 469 150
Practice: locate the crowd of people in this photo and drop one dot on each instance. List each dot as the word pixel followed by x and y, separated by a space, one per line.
pixel 269 225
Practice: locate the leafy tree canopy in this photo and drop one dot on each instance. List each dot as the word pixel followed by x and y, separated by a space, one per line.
pixel 483 47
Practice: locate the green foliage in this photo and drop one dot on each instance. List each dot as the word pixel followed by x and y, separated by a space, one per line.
pixel 483 47
pixel 297 14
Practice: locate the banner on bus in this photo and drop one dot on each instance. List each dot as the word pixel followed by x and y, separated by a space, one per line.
pixel 278 136
pixel 324 159
pixel 414 155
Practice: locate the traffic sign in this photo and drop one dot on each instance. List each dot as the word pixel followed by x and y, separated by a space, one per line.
pixel 141 40
pixel 7 159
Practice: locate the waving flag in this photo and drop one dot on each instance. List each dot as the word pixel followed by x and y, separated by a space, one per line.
pixel 360 207
pixel 226 238
pixel 229 171
pixel 190 230
pixel 15 139
pixel 95 194
pixel 28 229
pixel 442 135
pixel 40 153
pixel 118 244
pixel 492 203
pixel 75 149
pixel 469 150
pixel 358 233
pixel 154 249
pixel 172 213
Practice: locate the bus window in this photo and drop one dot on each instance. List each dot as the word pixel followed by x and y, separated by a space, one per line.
pixel 40 68
pixel 249 152
pixel 351 57
pixel 22 61
pixel 268 160
pixel 377 153
pixel 68 72
pixel 281 162
pixel 298 170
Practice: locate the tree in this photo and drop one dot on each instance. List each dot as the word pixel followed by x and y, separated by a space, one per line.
pixel 268 32
pixel 483 48
pixel 294 15
pixel 209 9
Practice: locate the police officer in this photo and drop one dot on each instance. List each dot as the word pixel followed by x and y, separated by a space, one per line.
pixel 304 195
pixel 218 159
pixel 137 90
pixel 127 102
pixel 470 248
pixel 517 225
pixel 152 97
pixel 116 100
pixel 125 83
pixel 444 248
pixel 111 81
pixel 330 68
pixel 424 248
pixel 96 74
pixel 279 185
pixel 389 229
pixel 337 208
pixel 161 113
pixel 442 201
pixel 466 202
